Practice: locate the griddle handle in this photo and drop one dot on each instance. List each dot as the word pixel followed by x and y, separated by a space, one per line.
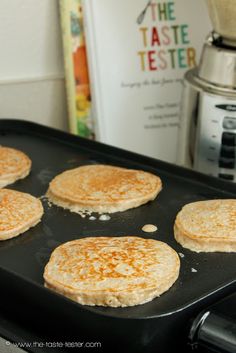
pixel 214 333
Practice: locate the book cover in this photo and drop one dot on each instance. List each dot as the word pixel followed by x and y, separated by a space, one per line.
pixel 76 68
pixel 138 52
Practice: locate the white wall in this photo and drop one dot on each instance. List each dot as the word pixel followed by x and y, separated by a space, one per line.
pixel 32 83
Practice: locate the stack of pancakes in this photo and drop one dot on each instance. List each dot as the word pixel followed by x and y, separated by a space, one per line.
pixel 207 226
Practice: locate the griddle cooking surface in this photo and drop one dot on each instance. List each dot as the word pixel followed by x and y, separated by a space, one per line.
pixel 52 152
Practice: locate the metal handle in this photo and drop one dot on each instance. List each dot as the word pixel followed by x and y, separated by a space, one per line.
pixel 214 332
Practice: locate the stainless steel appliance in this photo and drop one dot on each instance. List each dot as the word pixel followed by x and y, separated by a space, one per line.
pixel 208 113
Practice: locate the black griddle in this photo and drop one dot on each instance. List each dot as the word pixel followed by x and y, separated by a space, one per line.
pixel 157 326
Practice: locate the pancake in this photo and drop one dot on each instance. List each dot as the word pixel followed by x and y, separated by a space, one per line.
pixel 207 226
pixel 112 271
pixel 103 189
pixel 18 212
pixel 14 165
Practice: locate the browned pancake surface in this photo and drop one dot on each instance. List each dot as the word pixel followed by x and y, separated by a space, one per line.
pixel 18 212
pixel 14 165
pixel 113 271
pixel 103 188
pixel 207 225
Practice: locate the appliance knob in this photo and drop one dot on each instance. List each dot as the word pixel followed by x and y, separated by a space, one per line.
pixel 227 151
pixel 229 123
pixel 226 176
pixel 229 139
pixel 228 163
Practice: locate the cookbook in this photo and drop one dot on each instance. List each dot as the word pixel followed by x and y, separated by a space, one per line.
pixel 138 52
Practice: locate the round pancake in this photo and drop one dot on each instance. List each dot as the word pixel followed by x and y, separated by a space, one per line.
pixel 112 271
pixel 14 165
pixel 18 212
pixel 103 188
pixel 207 226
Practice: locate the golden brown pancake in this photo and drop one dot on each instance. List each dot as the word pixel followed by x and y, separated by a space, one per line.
pixel 18 212
pixel 14 165
pixel 103 188
pixel 112 271
pixel 207 226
